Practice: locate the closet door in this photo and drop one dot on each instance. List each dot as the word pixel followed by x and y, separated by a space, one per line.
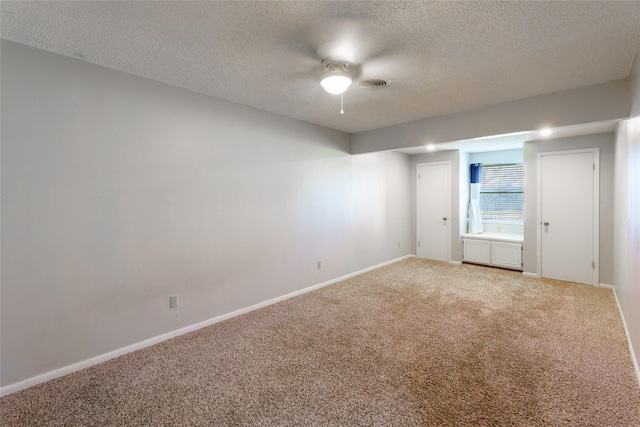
pixel 433 211
pixel 568 203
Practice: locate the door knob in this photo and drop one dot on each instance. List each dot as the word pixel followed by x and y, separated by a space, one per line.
pixel 546 223
pixel 444 218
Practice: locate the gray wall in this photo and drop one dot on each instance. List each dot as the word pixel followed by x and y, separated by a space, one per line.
pixel 627 216
pixel 606 143
pixel 118 192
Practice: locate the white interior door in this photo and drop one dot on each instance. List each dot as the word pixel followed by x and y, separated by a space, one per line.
pixel 433 216
pixel 568 184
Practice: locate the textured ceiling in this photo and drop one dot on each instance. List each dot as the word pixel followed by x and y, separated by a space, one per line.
pixel 442 57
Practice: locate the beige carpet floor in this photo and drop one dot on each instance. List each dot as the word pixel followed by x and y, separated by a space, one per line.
pixel 414 343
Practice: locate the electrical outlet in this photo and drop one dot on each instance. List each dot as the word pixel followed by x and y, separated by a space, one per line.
pixel 173 301
pixel 319 265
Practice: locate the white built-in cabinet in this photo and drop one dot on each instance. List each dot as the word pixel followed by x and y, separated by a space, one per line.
pixel 499 250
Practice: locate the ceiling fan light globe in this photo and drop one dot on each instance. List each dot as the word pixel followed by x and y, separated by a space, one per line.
pixel 336 84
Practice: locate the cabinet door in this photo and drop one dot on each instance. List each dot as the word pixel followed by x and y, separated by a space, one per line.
pixel 477 251
pixel 506 255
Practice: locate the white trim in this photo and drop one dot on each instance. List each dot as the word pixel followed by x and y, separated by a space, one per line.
pixel 448 163
pixel 636 366
pixel 452 262
pixel 606 286
pixel 595 277
pixel 527 274
pixel 496 237
pixel 21 385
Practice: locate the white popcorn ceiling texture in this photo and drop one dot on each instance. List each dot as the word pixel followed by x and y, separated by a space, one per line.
pixel 442 57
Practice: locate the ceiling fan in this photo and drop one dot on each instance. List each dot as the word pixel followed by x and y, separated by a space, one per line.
pixel 339 69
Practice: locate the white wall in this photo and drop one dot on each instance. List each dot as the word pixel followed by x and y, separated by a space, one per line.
pixel 626 248
pixel 118 192
pixel 606 143
pixel 463 195
pixel 607 101
pixel 380 200
pixel 498 157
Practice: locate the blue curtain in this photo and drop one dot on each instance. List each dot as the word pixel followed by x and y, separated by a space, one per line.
pixel 475 216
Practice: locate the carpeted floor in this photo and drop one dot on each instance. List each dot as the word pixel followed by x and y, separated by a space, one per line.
pixel 413 343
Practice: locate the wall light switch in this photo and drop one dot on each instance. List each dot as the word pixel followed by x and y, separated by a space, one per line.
pixel 173 301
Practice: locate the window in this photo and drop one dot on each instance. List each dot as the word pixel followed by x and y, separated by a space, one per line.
pixel 502 192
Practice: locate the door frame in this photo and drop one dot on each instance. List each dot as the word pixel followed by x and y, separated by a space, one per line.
pixel 448 164
pixel 595 278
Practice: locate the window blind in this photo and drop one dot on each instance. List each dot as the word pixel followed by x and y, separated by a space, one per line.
pixel 502 192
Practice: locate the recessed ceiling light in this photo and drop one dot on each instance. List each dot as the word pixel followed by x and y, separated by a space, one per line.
pixel 546 131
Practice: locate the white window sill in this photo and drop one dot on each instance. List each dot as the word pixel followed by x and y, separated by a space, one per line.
pixel 496 237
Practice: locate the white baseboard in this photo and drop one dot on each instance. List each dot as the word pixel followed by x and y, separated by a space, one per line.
pixel 636 367
pixel 527 274
pixel 21 385
pixel 455 262
pixel 604 285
